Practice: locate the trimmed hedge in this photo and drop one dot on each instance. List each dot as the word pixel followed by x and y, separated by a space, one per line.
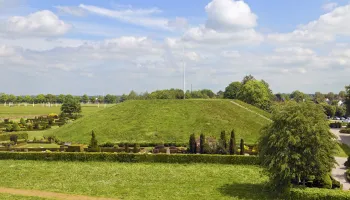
pixel 125 157
pixel 6 136
pixel 345 130
pixel 318 194
pixel 335 125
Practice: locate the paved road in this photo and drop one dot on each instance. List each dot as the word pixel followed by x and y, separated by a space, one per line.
pixel 339 171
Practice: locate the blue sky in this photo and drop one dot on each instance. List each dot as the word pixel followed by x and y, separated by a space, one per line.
pixel 97 47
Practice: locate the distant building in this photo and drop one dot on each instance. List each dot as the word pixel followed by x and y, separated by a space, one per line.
pixel 340 102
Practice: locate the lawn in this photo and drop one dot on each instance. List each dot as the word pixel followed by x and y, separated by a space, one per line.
pixel 18 197
pixel 343 150
pixel 253 108
pixel 23 111
pixel 164 121
pixel 137 180
pixel 37 145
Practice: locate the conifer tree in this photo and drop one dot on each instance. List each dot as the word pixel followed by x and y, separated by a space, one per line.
pixel 232 148
pixel 201 143
pixel 242 147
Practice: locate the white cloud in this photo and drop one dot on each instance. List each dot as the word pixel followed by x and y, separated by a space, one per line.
pixel 42 24
pixel 71 10
pixel 6 51
pixel 324 29
pixel 329 6
pixel 295 51
pixel 229 14
pixel 231 54
pixel 142 17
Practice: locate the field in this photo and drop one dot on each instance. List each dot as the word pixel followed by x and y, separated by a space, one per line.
pixel 18 197
pixel 23 111
pixel 137 180
pixel 163 121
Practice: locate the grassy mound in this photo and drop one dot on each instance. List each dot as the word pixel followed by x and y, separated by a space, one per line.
pixel 163 121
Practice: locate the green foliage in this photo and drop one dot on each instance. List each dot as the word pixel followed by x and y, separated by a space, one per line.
pixel 345 130
pixel 6 136
pixel 329 110
pixel 130 157
pixel 256 93
pixel 340 111
pixel 201 143
pixel 232 146
pixel 93 141
pixel 319 97
pixel 136 148
pixel 347 173
pixel 223 139
pixel 297 144
pixel 167 121
pixel 70 106
pixel 14 138
pixel 347 99
pixel 192 144
pixel 298 96
pixel 318 194
pixel 22 121
pixel 85 98
pixel 248 78
pixel 15 127
pixel 242 147
pixel 232 90
pixel 335 125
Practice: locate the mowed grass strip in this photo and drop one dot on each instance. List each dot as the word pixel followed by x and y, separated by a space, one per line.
pixel 4 196
pixel 22 111
pixel 137 180
pixel 163 121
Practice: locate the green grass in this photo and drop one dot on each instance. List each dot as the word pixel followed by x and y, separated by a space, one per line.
pixel 37 145
pixel 23 111
pixel 163 121
pixel 137 180
pixel 18 197
pixel 253 108
pixel 344 150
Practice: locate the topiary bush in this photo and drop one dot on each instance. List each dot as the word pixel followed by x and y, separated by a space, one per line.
pixel 345 130
pixel 335 125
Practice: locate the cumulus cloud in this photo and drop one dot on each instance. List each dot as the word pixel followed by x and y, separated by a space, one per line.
pixel 229 22
pixel 229 14
pixel 322 30
pixel 6 51
pixel 42 23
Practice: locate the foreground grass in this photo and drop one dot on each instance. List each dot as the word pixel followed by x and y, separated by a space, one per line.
pixel 164 121
pixel 23 111
pixel 137 180
pixel 18 197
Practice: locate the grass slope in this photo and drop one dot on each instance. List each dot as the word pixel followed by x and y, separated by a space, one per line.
pixel 19 197
pixel 137 180
pixel 163 121
pixel 19 111
pixel 253 108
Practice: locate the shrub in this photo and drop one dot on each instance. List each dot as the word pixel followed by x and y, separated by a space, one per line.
pixel 126 147
pixel 348 125
pixel 30 127
pixel 223 139
pixel 207 149
pixel 201 143
pixel 14 138
pixel 75 148
pixel 136 148
pixel 347 175
pixel 124 157
pixel 22 121
pixel 232 147
pixel 107 144
pixel 8 127
pixel 318 194
pixel 192 144
pixel 93 141
pixel 347 163
pixel 345 130
pixel 335 125
pixel 242 147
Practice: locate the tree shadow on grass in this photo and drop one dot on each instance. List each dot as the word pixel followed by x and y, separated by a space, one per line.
pixel 247 191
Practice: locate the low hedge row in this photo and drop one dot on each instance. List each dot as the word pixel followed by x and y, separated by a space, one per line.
pixel 129 157
pixel 6 136
pixel 318 194
pixel 335 125
pixel 345 130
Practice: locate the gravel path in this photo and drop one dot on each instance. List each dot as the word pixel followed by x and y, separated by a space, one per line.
pixel 339 171
pixel 50 195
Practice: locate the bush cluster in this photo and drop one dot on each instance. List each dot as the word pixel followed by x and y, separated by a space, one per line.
pixel 345 130
pixel 335 125
pixel 130 157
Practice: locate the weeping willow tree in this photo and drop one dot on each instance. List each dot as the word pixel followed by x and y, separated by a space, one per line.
pixel 297 144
